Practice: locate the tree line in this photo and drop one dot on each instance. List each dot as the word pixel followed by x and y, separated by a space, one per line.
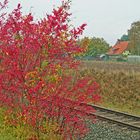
pixel 97 46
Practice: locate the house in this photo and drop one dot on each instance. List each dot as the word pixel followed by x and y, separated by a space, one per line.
pixel 119 49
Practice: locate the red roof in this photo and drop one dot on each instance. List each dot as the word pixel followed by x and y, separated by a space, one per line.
pixel 118 48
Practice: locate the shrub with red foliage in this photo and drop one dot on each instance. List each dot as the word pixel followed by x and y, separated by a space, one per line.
pixel 34 58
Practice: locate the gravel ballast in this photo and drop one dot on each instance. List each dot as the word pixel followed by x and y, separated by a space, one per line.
pixel 106 131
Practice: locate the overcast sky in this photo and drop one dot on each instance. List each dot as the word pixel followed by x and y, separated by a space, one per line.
pixel 109 19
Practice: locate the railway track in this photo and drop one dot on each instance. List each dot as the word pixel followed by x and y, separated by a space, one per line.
pixel 122 119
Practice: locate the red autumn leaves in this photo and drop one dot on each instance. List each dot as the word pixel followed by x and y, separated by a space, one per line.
pixel 34 60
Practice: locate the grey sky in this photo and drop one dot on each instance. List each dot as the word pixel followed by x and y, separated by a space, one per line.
pixel 105 18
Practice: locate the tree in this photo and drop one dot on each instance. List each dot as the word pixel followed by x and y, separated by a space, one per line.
pixel 35 87
pixel 134 38
pixel 124 37
pixel 95 46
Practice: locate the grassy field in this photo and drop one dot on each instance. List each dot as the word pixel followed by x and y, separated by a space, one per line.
pixel 119 82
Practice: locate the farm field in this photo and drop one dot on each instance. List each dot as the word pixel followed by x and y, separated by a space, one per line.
pixel 119 84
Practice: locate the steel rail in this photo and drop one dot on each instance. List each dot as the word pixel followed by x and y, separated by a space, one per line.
pixel 116 117
pixel 114 111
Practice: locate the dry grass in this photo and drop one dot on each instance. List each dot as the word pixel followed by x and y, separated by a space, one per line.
pixel 120 84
